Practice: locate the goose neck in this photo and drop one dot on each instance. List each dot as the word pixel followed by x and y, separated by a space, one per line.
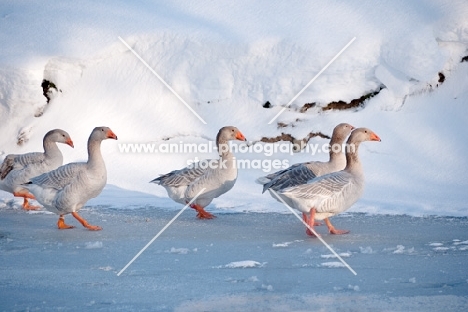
pixel 50 148
pixel 94 152
pixel 352 157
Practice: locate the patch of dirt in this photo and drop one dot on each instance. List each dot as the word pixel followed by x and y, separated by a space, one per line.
pixel 46 88
pixel 49 89
pixel 23 135
pixel 441 78
pixel 298 144
pixel 285 125
pixel 356 103
pixel 306 106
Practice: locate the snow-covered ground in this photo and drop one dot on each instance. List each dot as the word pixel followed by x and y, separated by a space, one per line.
pixel 226 60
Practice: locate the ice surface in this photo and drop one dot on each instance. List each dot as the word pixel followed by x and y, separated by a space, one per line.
pixel 235 266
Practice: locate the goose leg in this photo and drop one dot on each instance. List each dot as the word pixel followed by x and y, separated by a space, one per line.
pixel 316 223
pixel 85 223
pixel 202 214
pixel 310 221
pixel 61 224
pixel 332 229
pixel 26 195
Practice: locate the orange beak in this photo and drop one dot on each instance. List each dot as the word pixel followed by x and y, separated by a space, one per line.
pixel 375 137
pixel 240 136
pixel 70 142
pixel 111 135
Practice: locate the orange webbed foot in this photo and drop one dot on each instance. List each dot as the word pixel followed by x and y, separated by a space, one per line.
pixel 332 229
pixel 311 222
pixel 205 215
pixel 310 233
pixel 85 223
pixel 61 224
pixel 202 213
pixel 26 196
pixel 28 207
pixel 93 227
pixel 338 232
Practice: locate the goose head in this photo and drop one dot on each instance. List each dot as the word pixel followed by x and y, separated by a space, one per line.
pixel 102 133
pixel 342 131
pixel 363 134
pixel 226 134
pixel 59 136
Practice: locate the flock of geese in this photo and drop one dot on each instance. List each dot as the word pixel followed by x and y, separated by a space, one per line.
pixel 317 189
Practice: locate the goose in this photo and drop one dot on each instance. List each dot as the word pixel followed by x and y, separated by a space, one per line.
pixel 333 193
pixel 216 178
pixel 18 169
pixel 300 173
pixel 68 188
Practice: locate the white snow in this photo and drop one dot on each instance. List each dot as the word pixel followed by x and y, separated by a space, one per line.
pixel 355 287
pixel 366 250
pixel 400 249
pixel 106 268
pixel 93 245
pixel 242 264
pixel 181 251
pixel 226 63
pixel 333 264
pixel 286 244
pixel 342 255
pixel 225 60
pixel 441 248
pixel 267 287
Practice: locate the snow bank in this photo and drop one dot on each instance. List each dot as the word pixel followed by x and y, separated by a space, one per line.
pixel 226 60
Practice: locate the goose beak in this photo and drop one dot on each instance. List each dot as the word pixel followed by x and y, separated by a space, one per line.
pixel 375 137
pixel 352 127
pixel 240 136
pixel 111 135
pixel 70 142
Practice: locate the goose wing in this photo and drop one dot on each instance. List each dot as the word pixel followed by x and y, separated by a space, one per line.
pixel 327 186
pixel 19 162
pixel 180 177
pixel 295 175
pixel 60 177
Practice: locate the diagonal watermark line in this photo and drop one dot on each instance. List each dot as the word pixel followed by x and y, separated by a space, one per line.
pixel 162 80
pixel 313 79
pixel 160 232
pixel 315 233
